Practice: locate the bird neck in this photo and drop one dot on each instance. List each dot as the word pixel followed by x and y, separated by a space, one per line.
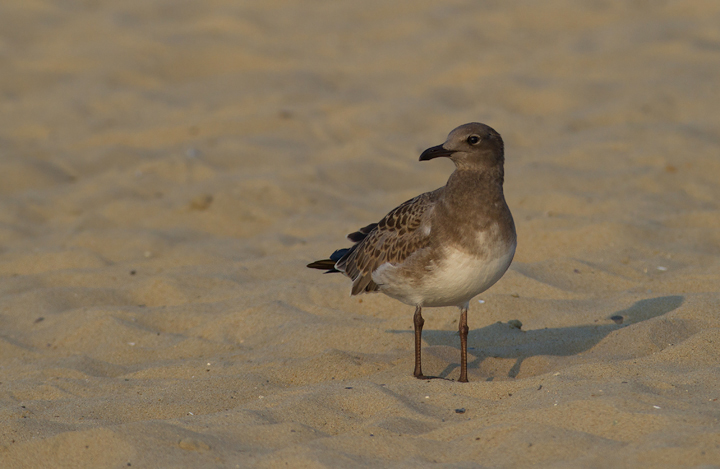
pixel 490 164
pixel 482 187
pixel 473 202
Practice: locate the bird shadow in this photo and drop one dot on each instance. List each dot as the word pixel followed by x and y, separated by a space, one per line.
pixel 507 341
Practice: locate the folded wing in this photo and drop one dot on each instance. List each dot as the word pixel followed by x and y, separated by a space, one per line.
pixel 402 232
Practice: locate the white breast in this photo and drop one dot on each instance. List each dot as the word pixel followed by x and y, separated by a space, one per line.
pixel 461 277
pixel 453 280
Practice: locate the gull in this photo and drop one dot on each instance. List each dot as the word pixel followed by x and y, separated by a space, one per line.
pixel 441 248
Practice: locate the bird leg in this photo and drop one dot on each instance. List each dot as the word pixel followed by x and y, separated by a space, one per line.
pixel 418 321
pixel 463 329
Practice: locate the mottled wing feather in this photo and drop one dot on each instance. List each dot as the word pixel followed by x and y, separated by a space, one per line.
pixel 391 240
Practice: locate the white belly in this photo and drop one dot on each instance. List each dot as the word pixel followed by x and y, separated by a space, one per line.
pixel 453 281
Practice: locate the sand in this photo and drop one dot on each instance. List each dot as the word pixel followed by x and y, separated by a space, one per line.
pixel 167 170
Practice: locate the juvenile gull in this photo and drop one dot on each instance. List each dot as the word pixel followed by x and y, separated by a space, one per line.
pixel 444 247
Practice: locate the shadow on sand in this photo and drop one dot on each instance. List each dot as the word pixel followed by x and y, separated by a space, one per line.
pixel 500 340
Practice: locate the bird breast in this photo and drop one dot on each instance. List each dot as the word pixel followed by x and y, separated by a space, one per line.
pixel 451 275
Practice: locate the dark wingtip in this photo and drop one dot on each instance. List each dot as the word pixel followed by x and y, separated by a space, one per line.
pixel 362 233
pixel 337 255
pixel 324 264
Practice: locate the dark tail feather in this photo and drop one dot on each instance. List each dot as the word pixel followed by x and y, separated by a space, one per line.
pixel 329 264
pixel 356 237
pixel 325 264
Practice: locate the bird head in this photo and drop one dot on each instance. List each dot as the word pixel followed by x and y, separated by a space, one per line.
pixel 470 146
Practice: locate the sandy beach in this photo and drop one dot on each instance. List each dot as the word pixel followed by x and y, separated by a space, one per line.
pixel 168 169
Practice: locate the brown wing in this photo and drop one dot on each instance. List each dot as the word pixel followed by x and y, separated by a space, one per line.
pixel 392 240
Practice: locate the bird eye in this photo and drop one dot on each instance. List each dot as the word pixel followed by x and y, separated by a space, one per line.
pixel 473 139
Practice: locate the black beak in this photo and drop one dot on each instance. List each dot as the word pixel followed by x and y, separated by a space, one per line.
pixel 435 152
